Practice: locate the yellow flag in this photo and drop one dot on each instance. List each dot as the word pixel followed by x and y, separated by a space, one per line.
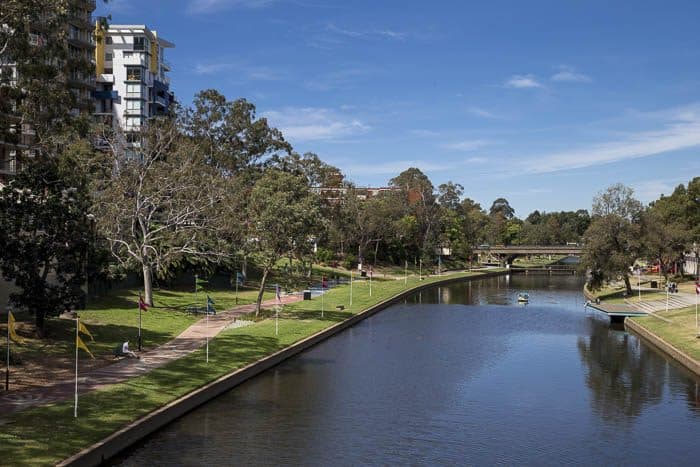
pixel 13 333
pixel 84 330
pixel 81 345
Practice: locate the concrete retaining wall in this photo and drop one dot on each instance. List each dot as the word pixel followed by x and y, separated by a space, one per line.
pixel 664 346
pixel 137 430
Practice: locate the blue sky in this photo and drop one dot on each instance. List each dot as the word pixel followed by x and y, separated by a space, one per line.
pixel 542 102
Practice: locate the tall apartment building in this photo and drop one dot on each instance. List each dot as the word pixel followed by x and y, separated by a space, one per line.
pixel 16 141
pixel 132 80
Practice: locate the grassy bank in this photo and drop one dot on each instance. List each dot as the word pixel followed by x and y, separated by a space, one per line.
pixel 45 435
pixel 680 332
pixel 111 320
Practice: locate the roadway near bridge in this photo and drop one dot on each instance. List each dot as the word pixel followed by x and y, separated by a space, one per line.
pixel 503 254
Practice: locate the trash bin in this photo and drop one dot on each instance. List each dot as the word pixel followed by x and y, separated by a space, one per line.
pixel 654 284
pixel 307 295
pixel 363 273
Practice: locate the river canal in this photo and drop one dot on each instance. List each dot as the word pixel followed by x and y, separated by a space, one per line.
pixel 455 375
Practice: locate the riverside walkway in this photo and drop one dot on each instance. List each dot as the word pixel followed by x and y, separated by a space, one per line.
pixel 631 307
pixel 191 339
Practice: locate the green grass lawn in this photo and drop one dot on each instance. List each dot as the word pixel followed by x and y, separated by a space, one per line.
pixel 646 296
pixel 536 261
pixel 681 332
pixel 46 435
pixel 114 319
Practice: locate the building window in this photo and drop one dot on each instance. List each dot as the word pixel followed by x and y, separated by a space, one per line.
pixel 140 43
pixel 133 73
pixel 108 57
pixel 133 89
pixel 132 104
pixel 109 71
pixel 108 40
pixel 133 122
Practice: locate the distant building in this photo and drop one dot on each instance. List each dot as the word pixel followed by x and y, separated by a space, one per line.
pixel 336 194
pixel 19 138
pixel 132 80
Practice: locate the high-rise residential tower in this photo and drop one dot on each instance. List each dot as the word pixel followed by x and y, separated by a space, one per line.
pixel 132 80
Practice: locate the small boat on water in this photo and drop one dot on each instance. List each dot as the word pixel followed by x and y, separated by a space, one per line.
pixel 523 297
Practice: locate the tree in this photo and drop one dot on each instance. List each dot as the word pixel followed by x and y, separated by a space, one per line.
pixel 418 199
pixel 449 195
pixel 159 202
pixel 283 216
pixel 501 206
pixel 46 234
pixel 612 239
pixel 230 135
pixel 663 239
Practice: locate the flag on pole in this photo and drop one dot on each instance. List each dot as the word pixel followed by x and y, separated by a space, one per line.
pixel 210 305
pixel 324 282
pixel 11 327
pixel 79 342
pixel 142 304
pixel 278 292
pixel 697 288
pixel 84 330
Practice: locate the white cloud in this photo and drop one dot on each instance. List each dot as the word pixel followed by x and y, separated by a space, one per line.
pixel 311 123
pixel 522 82
pixel 423 133
pixel 387 33
pixel 210 6
pixel 476 160
pixel 212 68
pixel 567 74
pixel 467 145
pixel 479 112
pixel 682 132
pixel 252 73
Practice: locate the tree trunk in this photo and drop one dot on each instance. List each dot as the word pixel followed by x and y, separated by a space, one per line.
pixel 261 291
pixel 244 267
pixel 40 322
pixel 376 250
pixel 147 285
pixel 628 286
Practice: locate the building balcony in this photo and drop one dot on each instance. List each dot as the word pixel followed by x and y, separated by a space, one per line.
pixel 134 113
pixel 80 19
pixel 8 166
pixel 105 78
pixel 105 95
pixel 162 101
pixel 135 58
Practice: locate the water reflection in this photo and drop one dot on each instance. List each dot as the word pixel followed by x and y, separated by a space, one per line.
pixel 623 375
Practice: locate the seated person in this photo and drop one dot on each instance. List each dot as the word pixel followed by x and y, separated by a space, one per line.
pixel 122 350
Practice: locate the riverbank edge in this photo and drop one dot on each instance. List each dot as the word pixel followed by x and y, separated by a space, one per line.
pixel 144 426
pixel 656 341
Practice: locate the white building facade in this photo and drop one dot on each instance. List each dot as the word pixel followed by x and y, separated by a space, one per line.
pixel 132 81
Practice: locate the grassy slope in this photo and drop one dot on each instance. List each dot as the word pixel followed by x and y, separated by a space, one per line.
pixel 45 435
pixel 114 318
pixel 681 332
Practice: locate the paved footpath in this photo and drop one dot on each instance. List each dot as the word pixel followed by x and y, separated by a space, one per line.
pixel 188 341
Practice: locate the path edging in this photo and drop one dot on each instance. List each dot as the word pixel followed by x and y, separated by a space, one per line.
pixel 665 347
pixel 144 426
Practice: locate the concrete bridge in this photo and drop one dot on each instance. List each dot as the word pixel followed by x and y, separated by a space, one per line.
pixel 506 254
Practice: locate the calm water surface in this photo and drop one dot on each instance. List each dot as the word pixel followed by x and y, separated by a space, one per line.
pixel 455 375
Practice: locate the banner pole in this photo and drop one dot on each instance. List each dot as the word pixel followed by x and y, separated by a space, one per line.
pixel 75 406
pixel 7 371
